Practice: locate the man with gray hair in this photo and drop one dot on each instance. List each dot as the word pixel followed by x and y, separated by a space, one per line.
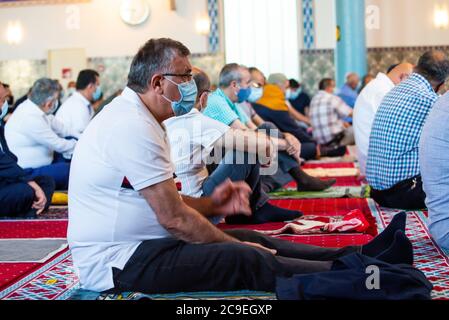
pixel 236 86
pixel 393 169
pixel 130 230
pixel 35 135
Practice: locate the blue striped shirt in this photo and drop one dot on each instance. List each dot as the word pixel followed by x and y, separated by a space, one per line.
pixel 394 142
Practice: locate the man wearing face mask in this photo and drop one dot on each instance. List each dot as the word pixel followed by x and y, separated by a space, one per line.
pixel 20 196
pixel 298 98
pixel 192 138
pixel 130 229
pixel 77 111
pixel 35 135
pixel 236 86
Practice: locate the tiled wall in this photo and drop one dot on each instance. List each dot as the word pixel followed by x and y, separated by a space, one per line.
pixel 318 64
pixel 315 65
pixel 21 74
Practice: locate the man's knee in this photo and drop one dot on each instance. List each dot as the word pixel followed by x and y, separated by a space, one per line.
pixel 17 199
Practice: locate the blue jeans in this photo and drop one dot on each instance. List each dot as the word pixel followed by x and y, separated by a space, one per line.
pixel 229 169
pixel 58 171
pixel 285 123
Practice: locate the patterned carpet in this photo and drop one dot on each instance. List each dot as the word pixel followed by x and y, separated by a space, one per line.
pixel 56 279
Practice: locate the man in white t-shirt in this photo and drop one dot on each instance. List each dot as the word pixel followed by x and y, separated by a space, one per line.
pixel 368 103
pixel 192 139
pixel 77 111
pixel 130 230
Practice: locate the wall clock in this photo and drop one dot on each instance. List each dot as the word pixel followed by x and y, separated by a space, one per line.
pixel 134 12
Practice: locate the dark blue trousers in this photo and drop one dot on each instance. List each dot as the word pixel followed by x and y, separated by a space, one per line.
pixel 17 199
pixel 58 171
pixel 286 123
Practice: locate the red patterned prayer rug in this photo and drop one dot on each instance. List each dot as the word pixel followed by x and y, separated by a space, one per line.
pixel 327 208
pixel 328 165
pixel 28 229
pixel 429 257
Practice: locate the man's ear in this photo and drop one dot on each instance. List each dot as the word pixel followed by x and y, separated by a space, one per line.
pixel 156 84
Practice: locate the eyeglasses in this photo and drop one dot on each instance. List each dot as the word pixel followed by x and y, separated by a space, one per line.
pixel 185 76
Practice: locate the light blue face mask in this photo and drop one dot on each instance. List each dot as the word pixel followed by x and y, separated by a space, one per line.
pixel 4 110
pixel 256 95
pixel 188 91
pixel 293 95
pixel 97 94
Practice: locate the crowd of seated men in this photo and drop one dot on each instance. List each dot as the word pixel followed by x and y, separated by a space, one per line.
pixel 399 135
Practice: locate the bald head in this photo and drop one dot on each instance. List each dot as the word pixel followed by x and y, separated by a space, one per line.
pixel 434 66
pixel 401 72
pixel 353 80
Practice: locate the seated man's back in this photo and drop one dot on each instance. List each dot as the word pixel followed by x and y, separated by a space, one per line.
pixel 393 149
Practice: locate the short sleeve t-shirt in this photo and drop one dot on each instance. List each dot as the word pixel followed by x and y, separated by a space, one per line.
pixel 222 109
pixel 106 221
pixel 192 138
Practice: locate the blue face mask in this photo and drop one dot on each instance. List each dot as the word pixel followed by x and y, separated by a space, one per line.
pixel 244 94
pixel 188 91
pixel 97 94
pixel 293 95
pixel 4 110
pixel 256 95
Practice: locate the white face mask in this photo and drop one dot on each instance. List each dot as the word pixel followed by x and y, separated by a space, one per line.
pixel 4 110
pixel 256 95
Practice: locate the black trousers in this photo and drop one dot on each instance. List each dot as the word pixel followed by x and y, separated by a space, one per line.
pixel 17 199
pixel 170 265
pixel 406 195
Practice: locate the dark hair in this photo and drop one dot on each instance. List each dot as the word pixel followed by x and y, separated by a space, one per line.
pixel 202 81
pixel 85 78
pixel 392 67
pixel 155 56
pixel 325 83
pixel 294 84
pixel 434 66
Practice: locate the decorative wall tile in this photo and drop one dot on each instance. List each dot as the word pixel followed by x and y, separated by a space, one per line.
pixel 21 74
pixel 308 24
pixel 214 34
pixel 316 65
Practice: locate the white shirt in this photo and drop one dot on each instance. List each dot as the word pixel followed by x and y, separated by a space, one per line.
pixel 34 136
pixel 192 138
pixel 76 112
pixel 107 222
pixel 365 111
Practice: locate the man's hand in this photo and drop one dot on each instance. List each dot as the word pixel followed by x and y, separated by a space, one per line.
pixel 232 198
pixel 40 198
pixel 294 148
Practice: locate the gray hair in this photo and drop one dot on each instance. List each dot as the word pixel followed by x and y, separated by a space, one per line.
pixel 156 56
pixel 43 91
pixel 434 66
pixel 229 73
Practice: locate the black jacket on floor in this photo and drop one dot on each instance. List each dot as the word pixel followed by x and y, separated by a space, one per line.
pixel 350 279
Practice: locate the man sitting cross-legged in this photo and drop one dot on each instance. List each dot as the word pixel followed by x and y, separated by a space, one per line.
pixel 150 239
pixel 192 138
